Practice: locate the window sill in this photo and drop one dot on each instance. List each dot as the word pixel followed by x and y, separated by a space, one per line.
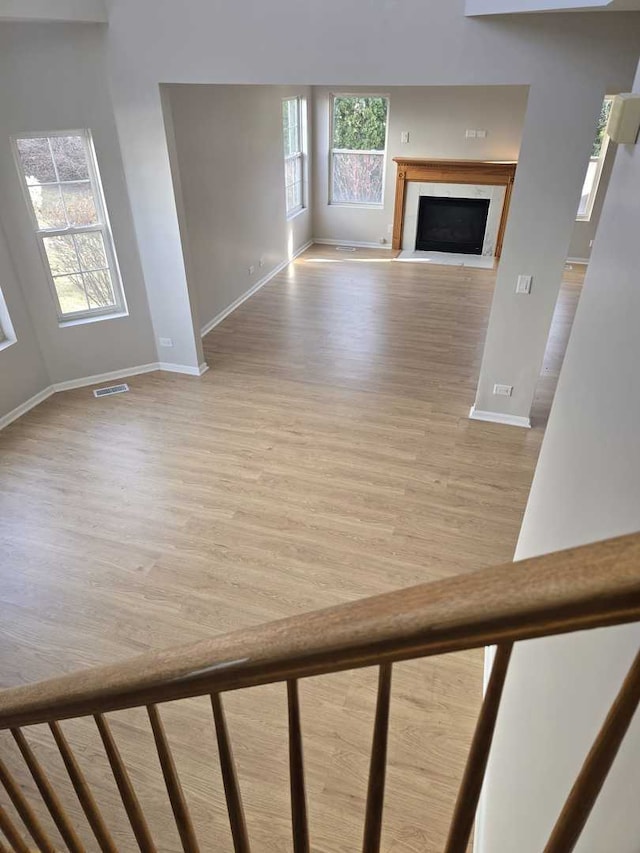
pixel 295 213
pixel 81 321
pixel 585 218
pixel 9 342
pixel 357 205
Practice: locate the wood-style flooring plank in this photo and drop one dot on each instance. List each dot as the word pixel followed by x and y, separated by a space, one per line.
pixel 325 456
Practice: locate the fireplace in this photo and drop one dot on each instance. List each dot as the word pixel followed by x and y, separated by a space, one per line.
pixel 414 175
pixel 451 224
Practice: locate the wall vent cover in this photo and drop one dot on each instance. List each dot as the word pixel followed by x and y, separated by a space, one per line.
pixel 112 389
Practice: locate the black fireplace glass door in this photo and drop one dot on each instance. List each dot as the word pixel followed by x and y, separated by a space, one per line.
pixel 452 224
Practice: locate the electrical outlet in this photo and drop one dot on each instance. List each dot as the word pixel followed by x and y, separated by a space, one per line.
pixel 503 390
pixel 524 284
pixel 252 269
pixel 165 342
pixel 261 262
pixel 390 228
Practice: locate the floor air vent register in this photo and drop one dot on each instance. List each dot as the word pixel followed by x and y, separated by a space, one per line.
pixel 112 389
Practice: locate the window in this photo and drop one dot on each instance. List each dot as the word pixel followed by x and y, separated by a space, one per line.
pixel 594 170
pixel 358 142
pixel 60 179
pixel 7 334
pixel 292 129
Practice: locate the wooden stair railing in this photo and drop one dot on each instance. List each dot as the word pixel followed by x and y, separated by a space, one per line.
pixel 589 587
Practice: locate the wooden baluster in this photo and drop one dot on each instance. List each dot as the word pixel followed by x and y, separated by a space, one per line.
pixel 172 781
pixel 595 769
pixel 378 765
pixel 11 833
pixel 230 779
pixel 128 795
pixel 296 773
pixel 471 785
pixel 86 798
pixel 51 799
pixel 25 811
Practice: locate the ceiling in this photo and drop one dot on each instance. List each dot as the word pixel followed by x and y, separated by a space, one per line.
pixel 53 10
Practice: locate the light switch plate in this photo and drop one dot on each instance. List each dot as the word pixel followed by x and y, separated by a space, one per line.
pixel 524 284
pixel 404 136
pixel 481 134
pixel 471 134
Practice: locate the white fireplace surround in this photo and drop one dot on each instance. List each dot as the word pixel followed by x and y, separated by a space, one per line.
pixel 415 189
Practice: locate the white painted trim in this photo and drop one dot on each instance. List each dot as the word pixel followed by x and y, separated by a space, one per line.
pixel 254 289
pixel 584 261
pixel 185 369
pixel 321 241
pixel 23 408
pixel 499 418
pixel 83 381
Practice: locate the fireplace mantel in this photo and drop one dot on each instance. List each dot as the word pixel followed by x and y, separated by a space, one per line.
pixel 489 172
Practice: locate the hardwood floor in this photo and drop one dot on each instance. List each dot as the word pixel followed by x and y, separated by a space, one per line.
pixel 557 344
pixel 325 456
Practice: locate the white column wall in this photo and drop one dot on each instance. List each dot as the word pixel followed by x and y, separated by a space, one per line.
pixel 551 168
pixel 586 487
pixel 144 144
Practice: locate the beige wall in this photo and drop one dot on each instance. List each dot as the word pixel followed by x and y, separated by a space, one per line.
pixel 229 162
pixel 54 78
pixel 436 118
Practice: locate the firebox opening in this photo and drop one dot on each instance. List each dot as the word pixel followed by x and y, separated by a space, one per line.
pixel 451 224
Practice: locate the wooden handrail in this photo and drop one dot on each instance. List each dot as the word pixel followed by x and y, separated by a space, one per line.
pixel 588 587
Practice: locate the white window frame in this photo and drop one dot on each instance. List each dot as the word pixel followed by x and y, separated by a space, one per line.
pixel 7 332
pixel 593 193
pixel 299 155
pixel 102 226
pixel 333 151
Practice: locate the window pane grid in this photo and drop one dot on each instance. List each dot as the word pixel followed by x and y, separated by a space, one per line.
pixel 359 138
pixel 357 178
pixel 293 154
pixel 61 182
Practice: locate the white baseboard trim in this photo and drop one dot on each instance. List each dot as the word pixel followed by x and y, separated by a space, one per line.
pixel 254 289
pixel 321 241
pixel 97 379
pixel 499 418
pixel 185 369
pixel 104 377
pixel 25 407
pixel 581 261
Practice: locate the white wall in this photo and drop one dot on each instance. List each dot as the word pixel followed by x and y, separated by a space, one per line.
pixel 22 369
pixel 569 62
pixel 586 487
pixel 53 78
pixel 436 118
pixel 229 155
